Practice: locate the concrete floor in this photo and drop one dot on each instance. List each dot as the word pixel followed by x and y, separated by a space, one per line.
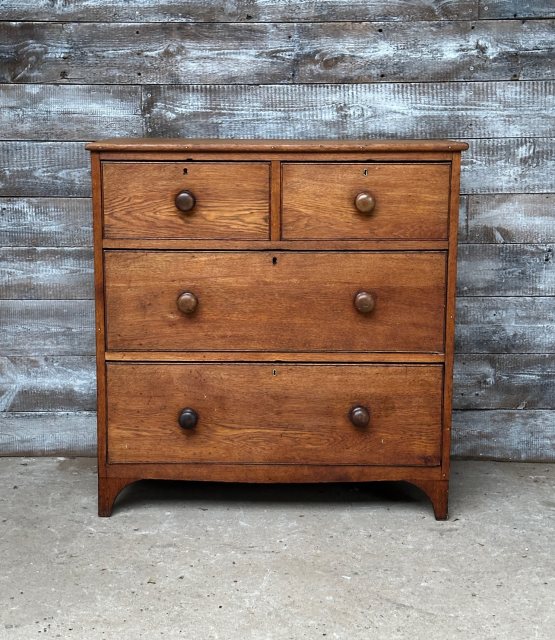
pixel 203 561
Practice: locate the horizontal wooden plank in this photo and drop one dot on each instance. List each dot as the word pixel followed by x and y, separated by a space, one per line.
pixel 516 9
pixel 48 434
pixel 463 216
pixel 47 383
pixel 43 222
pixel 511 165
pixel 38 273
pixel 504 381
pixel 520 436
pixel 516 435
pixel 181 53
pixel 484 270
pixel 501 218
pixel 506 270
pixel 513 217
pixel 47 327
pixel 238 10
pixel 146 148
pixel 44 169
pixel 505 325
pixel 499 381
pixel 411 110
pixel 37 112
pixel 433 51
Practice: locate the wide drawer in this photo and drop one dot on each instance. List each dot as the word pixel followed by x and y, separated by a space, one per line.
pixel 405 201
pixel 282 301
pixel 263 413
pixel 227 200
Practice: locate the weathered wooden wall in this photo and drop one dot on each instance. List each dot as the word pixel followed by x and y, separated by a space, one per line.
pixel 478 70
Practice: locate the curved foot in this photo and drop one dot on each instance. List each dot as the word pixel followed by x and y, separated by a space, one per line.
pixel 437 491
pixel 108 490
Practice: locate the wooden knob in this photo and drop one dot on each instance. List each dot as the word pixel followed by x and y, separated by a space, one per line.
pixel 359 416
pixel 185 201
pixel 188 418
pixel 365 202
pixel 187 302
pixel 364 302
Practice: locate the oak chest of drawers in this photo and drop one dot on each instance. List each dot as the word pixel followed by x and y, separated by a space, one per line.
pixel 275 311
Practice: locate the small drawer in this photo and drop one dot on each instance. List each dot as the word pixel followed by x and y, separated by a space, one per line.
pixel 344 201
pixel 272 414
pixel 276 301
pixel 212 200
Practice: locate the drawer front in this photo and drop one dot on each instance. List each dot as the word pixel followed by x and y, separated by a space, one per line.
pixel 405 201
pixel 263 413
pixel 290 301
pixel 230 200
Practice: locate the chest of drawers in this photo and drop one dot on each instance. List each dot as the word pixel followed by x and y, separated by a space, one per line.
pixel 275 311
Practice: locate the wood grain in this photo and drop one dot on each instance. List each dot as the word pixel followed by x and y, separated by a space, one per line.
pixel 490 166
pixel 72 82
pixel 318 201
pixel 47 383
pixel 100 322
pixel 340 357
pixel 506 270
pixel 46 273
pixel 168 244
pixel 504 381
pixel 516 9
pixel 46 327
pixel 509 165
pixel 352 52
pixel 300 302
pixel 274 413
pixel 243 10
pixel 232 200
pixel 268 473
pixel 511 218
pixel 215 149
pixel 376 110
pixel 515 435
pixel 45 222
pixel 438 493
pixel 524 436
pixel 44 169
pixel 48 433
pixel 433 51
pixel 482 381
pixel 505 325
pixel 69 112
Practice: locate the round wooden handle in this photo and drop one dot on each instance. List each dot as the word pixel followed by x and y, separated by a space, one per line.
pixel 365 202
pixel 185 201
pixel 187 302
pixel 364 302
pixel 188 418
pixel 359 416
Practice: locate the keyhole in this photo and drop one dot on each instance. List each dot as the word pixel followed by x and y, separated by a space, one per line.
pixel 365 172
pixel 185 171
pixel 274 372
pixel 274 260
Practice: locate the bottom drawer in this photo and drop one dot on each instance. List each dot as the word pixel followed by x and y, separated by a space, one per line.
pixel 271 414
